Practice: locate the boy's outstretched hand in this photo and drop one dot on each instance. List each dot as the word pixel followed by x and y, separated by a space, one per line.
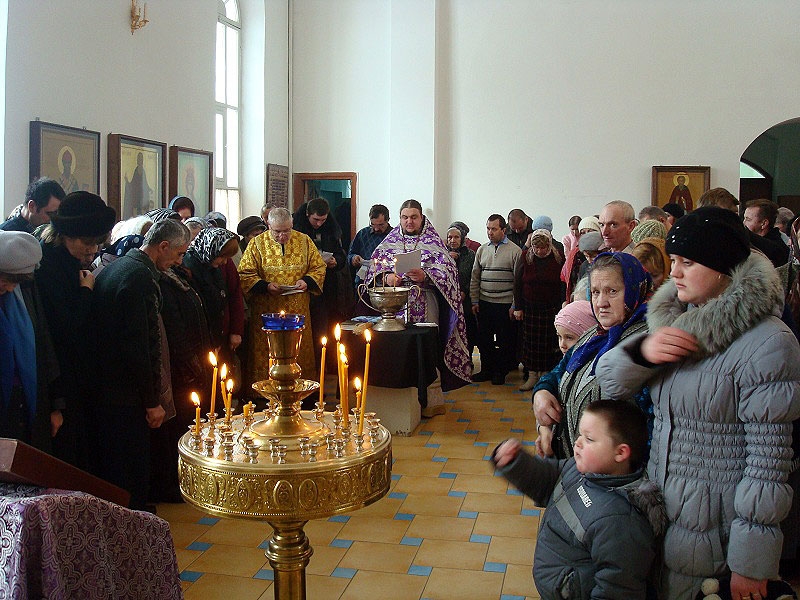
pixel 506 452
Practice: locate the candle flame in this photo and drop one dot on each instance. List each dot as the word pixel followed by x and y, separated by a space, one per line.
pixel 357 384
pixel 337 332
pixel 223 372
pixel 212 358
pixel 283 313
pixel 229 385
pixel 324 341
pixel 195 399
pixel 368 335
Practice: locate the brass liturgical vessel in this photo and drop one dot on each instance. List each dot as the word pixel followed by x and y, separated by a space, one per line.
pixel 283 465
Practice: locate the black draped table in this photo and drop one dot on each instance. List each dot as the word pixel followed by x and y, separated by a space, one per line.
pixel 402 372
pixel 62 544
pixel 398 359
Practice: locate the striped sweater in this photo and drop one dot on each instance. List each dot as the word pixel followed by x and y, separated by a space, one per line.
pixel 493 273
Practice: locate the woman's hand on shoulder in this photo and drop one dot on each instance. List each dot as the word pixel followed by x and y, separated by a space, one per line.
pixel 668 345
pixel 547 408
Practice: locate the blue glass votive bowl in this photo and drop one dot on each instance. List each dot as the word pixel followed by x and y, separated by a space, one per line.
pixel 282 322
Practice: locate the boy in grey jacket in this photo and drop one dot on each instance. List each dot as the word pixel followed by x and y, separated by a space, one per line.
pixel 597 538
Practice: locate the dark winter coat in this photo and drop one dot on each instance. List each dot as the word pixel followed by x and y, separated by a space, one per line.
pixel 67 308
pixel 597 538
pixel 187 333
pixel 127 301
pixel 210 283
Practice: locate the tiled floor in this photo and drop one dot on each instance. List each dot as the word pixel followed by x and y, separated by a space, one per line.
pixel 448 529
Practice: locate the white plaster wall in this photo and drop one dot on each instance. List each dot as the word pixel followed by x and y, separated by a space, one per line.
pixel 340 118
pixel 75 62
pixel 554 107
pixel 560 107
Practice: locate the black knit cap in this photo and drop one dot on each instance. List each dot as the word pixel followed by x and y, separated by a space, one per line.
pixel 711 236
pixel 83 214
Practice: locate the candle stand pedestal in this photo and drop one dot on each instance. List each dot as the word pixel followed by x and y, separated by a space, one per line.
pixel 285 467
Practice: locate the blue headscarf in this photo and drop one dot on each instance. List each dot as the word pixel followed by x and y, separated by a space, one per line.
pixel 638 285
pixel 123 244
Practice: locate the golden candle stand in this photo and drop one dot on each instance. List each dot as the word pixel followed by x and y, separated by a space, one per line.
pixel 284 466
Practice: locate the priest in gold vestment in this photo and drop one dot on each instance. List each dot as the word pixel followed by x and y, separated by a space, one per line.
pixel 280 257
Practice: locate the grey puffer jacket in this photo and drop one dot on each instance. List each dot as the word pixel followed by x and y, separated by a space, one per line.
pixel 721 447
pixel 597 538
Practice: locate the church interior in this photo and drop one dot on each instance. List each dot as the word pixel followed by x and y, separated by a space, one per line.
pixel 470 107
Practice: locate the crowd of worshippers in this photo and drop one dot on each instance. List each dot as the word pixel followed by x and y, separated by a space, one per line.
pixel 689 319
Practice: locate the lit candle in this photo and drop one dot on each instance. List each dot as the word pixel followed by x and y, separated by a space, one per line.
pixel 229 387
pixel 322 374
pixel 368 338
pixel 223 375
pixel 337 334
pixel 196 400
pixel 212 358
pixel 345 393
pixel 361 403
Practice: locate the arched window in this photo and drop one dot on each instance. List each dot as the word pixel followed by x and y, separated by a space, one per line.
pixel 226 118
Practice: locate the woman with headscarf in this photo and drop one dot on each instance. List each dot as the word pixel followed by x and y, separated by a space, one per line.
pixel 464 258
pixel 538 293
pixel 189 341
pixel 619 288
pixel 724 374
pixel 125 236
pixel 207 252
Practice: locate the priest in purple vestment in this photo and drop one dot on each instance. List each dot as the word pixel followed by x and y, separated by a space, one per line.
pixel 439 301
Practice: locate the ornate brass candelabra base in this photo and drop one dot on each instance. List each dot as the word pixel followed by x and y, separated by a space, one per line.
pixel 277 470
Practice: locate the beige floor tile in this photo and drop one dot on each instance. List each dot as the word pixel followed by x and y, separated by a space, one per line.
pixel 325 559
pixel 406 442
pixel 462 451
pixel 385 507
pixel 184 534
pixel 509 550
pixel 519 581
pixel 466 465
pixel 446 426
pixel 231 560
pixel 384 586
pixel 422 468
pixel 374 529
pixel 322 532
pixel 486 484
pixel 435 506
pixel 321 588
pixel 237 532
pixel 180 513
pixel 528 503
pixel 495 436
pixel 451 555
pixel 449 438
pixel 414 453
pixel 460 584
pixel 186 558
pixel 506 525
pixel 441 528
pixel 212 586
pixel 371 556
pixel 411 484
pixel 492 503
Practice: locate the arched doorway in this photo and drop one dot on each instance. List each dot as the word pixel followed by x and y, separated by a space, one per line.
pixel 769 166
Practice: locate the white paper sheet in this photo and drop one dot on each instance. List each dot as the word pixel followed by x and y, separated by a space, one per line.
pixel 407 261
